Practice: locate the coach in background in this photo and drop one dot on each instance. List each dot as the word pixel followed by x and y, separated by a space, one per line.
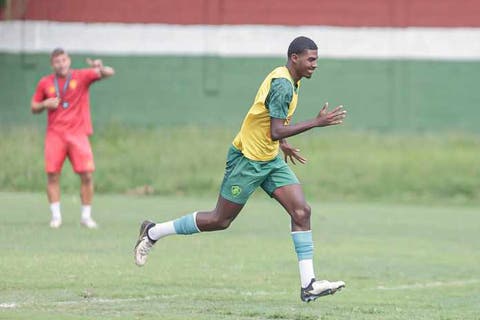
pixel 64 94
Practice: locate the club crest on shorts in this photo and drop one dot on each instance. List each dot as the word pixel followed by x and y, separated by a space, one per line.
pixel 236 190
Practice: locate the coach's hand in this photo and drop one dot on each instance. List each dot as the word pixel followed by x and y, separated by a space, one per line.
pixel 97 63
pixel 291 153
pixel 103 71
pixel 51 103
pixel 330 118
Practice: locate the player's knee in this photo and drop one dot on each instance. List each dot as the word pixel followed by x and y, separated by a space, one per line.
pixel 220 223
pixel 224 224
pixel 301 214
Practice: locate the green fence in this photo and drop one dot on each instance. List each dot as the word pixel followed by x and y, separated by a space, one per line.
pixel 382 95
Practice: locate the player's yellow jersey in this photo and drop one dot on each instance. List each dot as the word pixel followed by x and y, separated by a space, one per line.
pixel 254 139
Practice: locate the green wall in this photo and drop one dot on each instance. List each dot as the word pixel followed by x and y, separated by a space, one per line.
pixel 382 95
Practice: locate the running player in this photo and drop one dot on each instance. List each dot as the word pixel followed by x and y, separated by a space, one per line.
pixel 253 161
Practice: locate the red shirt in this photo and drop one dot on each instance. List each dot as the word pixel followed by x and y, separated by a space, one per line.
pixel 74 118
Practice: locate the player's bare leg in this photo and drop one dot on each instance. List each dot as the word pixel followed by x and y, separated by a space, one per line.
pixel 53 194
pixel 53 187
pixel 291 197
pixel 219 218
pixel 86 196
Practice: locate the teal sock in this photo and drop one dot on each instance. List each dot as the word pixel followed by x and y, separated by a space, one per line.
pixel 186 224
pixel 303 242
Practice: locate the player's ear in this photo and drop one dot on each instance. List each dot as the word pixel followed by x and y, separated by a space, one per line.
pixel 294 57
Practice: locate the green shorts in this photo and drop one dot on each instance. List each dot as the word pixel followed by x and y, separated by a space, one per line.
pixel 243 176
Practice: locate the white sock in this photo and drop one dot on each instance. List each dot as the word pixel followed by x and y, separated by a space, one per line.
pixel 55 209
pixel 86 212
pixel 161 230
pixel 306 272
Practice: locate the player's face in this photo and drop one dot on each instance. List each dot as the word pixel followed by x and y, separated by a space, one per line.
pixel 61 64
pixel 306 63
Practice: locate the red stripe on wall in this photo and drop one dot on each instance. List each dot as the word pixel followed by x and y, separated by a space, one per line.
pixel 354 13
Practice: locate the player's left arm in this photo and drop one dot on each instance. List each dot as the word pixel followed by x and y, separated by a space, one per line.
pixel 324 118
pixel 102 71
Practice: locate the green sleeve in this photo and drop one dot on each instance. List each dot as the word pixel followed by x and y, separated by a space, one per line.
pixel 279 98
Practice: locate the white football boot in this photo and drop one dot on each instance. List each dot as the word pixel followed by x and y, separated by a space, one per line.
pixel 88 223
pixel 144 244
pixel 320 288
pixel 55 223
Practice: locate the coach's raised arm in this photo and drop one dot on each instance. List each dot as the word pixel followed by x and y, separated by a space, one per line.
pixel 103 71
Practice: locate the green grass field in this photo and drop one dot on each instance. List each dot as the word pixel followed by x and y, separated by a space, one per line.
pixel 399 262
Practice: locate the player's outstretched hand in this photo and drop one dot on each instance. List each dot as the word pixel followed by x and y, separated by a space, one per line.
pixel 291 153
pixel 97 63
pixel 330 118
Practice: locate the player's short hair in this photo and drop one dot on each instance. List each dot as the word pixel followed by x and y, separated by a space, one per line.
pixel 57 52
pixel 300 44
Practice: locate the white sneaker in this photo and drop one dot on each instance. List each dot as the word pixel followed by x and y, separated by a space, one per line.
pixel 55 223
pixel 144 244
pixel 320 288
pixel 88 223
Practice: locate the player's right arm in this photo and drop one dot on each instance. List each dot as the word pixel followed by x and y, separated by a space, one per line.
pixel 41 102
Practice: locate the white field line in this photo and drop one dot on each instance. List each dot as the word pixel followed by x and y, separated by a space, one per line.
pixel 415 286
pixel 243 40
pixel 14 305
pixel 107 300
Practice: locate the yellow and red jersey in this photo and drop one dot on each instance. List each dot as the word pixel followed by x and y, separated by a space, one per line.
pixel 73 113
